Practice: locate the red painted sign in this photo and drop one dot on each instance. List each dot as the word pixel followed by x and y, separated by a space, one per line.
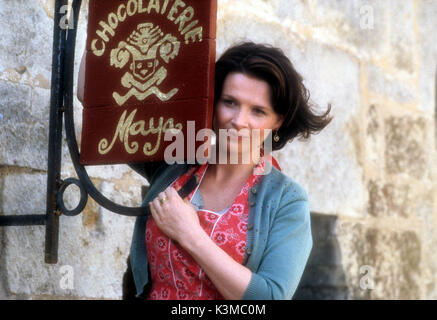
pixel 149 68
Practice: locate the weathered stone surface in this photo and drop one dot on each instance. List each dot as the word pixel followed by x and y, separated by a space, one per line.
pixel 380 263
pixel 298 10
pixel 370 174
pixel 334 155
pixel 394 89
pixel 96 255
pixel 427 11
pixel 240 21
pixel 390 200
pixel 360 24
pixel 402 34
pixel 24 134
pixel 22 192
pixel 374 136
pixel 26 30
pixel 108 171
pixel 95 244
pixel 404 153
pixel 124 193
pixel 424 207
pixel 49 7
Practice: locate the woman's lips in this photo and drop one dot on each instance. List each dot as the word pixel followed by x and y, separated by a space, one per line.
pixel 234 133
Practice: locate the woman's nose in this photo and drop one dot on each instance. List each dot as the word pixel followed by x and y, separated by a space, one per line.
pixel 240 119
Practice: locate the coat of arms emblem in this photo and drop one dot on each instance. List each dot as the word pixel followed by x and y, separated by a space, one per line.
pixel 143 55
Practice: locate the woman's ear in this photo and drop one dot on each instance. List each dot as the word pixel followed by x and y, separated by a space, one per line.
pixel 278 122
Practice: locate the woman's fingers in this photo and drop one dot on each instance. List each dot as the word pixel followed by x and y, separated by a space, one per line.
pixel 156 209
pixel 162 197
pixel 159 204
pixel 152 207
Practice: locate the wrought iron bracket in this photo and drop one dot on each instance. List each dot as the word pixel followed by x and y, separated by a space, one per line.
pixel 61 108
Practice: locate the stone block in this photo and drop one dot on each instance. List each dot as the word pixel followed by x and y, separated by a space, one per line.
pixel 390 199
pixel 374 136
pixel 253 20
pixel 402 20
pixel 22 192
pixel 294 9
pixel 49 7
pixel 405 139
pixel 93 245
pixel 97 255
pixel 25 125
pixel 375 28
pixel 108 172
pixel 26 32
pixel 388 86
pixel 122 192
pixel 427 84
pixel 427 48
pixel 425 208
pixel 94 258
pixel 361 24
pixel 381 263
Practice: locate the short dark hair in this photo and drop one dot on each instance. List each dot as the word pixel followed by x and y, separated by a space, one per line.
pixel 289 97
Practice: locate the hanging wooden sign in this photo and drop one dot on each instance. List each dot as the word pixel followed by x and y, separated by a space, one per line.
pixel 149 68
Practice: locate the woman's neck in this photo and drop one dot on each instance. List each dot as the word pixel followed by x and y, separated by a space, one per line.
pixel 227 171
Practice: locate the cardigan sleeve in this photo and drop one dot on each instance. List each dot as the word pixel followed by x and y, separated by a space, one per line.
pixel 286 253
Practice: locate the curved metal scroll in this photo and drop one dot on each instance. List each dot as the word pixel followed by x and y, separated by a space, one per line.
pixel 71 136
pixel 61 105
pixel 70 131
pixel 60 197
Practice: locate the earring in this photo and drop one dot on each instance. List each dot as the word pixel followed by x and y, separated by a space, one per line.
pixel 276 137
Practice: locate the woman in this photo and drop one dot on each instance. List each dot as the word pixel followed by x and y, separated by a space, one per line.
pixel 240 234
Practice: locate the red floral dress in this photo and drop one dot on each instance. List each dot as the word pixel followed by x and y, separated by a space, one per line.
pixel 175 274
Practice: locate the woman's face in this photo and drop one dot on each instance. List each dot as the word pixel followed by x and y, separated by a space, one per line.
pixel 244 110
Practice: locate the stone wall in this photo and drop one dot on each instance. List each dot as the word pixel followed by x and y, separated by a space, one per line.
pixel 370 174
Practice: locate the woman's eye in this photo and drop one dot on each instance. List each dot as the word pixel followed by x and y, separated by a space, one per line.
pixel 228 102
pixel 259 111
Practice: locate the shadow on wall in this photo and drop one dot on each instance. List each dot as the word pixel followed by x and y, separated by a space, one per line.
pixel 324 277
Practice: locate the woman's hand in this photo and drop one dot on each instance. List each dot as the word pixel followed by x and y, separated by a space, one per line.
pixel 178 219
pixel 174 216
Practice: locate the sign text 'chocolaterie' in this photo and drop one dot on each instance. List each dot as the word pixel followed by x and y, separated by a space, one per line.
pixel 175 10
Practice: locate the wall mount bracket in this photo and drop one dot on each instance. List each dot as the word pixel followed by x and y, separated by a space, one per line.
pixel 61 108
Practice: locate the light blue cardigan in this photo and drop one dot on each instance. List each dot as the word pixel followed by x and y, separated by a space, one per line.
pixel 278 240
